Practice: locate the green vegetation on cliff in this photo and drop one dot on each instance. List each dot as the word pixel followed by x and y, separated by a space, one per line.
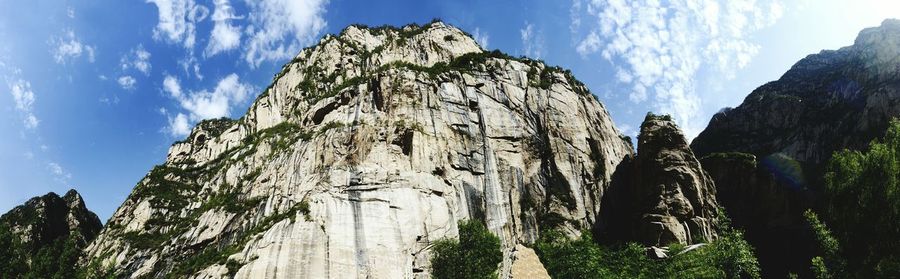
pixel 476 254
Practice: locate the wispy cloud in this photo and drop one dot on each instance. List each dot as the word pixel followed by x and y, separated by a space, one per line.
pixel 23 97
pixel 138 58
pixel 659 47
pixel 532 41
pixel 279 28
pixel 127 82
pixel 178 20
pixel 225 36
pixel 203 104
pixel 59 173
pixel 481 37
pixel 68 47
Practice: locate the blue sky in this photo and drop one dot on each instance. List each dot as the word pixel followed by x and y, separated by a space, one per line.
pixel 92 93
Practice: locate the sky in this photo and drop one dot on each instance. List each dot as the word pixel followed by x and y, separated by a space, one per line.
pixel 93 93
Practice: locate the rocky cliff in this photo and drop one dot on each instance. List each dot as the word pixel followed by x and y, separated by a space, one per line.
pixel 44 234
pixel 662 196
pixel 829 101
pixel 366 148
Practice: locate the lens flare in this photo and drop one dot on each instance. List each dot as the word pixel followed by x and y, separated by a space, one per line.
pixel 785 169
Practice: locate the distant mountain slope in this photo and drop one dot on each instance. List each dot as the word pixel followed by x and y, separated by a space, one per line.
pixel 43 238
pixel 366 148
pixel 826 102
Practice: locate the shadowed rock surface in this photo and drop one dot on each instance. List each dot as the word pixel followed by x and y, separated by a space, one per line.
pixel 661 196
pixel 766 208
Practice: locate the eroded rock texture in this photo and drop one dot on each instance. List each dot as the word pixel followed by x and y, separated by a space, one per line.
pixel 661 196
pixel 366 148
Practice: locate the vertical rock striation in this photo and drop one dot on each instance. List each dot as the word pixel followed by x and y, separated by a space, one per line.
pixel 366 148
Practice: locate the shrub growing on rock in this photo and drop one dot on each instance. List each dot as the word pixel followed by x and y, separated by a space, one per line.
pixel 476 254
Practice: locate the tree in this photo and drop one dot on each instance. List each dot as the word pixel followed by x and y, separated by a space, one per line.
pixel 476 254
pixel 12 261
pixel 862 194
pixel 830 263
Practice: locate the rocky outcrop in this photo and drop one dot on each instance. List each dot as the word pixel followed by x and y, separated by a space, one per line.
pixel 365 149
pixel 49 219
pixel 826 102
pixel 44 237
pixel 662 196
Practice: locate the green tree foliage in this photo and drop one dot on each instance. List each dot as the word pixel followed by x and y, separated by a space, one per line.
pixel 475 255
pixel 12 260
pixel 863 205
pixel 830 263
pixel 55 260
pixel 730 256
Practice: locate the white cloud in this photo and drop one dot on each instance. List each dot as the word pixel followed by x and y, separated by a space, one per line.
pixel 532 42
pixel 589 45
pixel 60 174
pixel 178 126
pixel 659 47
pixel 127 82
pixel 171 86
pixel 217 103
pixel 481 38
pixel 203 104
pixel 68 46
pixel 23 97
pixel 108 101
pixel 177 21
pixel 70 12
pixel 279 28
pixel 225 36
pixel 138 58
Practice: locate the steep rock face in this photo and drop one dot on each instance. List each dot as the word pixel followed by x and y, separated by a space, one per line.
pixel 366 148
pixel 662 196
pixel 44 220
